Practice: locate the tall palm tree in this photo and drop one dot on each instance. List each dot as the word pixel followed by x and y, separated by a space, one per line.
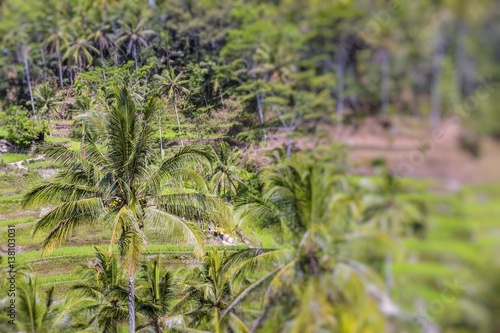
pixel 172 86
pixel 79 51
pixel 226 174
pixel 206 294
pixel 133 34
pixel 388 209
pixel 155 294
pixel 102 278
pixel 302 205
pixel 101 36
pixel 38 313
pixel 45 94
pixel 127 188
pixel 55 41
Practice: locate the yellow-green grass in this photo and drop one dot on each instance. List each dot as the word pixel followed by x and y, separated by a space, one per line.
pixel 18 221
pixel 13 157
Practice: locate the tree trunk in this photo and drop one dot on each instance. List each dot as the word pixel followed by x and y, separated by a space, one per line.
pixel 131 303
pixel 261 115
pixel 289 145
pixel 221 99
pixel 27 70
pixel 178 121
pixel 42 54
pixel 460 58
pixel 134 52
pixel 161 137
pixel 385 82
pixel 83 141
pixel 59 63
pixel 339 72
pixel 437 64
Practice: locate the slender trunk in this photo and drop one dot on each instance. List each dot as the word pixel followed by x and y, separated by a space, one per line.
pixel 385 82
pixel 221 99
pixel 388 273
pixel 43 56
pixel 27 70
pixel 339 72
pixel 134 51
pixel 289 144
pixel 261 115
pixel 59 63
pixel 437 61
pixel 100 52
pixel 48 122
pixel 415 79
pixel 83 141
pixel 217 328
pixel 161 137
pixel 178 121
pixel 131 303
pixel 460 57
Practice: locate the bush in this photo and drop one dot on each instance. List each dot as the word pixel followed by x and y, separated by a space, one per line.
pixel 22 130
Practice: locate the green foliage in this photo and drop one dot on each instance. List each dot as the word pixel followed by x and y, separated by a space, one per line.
pixel 23 130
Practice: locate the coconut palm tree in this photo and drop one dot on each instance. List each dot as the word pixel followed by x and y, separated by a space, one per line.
pixel 45 95
pixel 226 175
pixel 133 34
pixel 55 41
pixel 206 294
pixel 155 293
pixel 172 86
pixel 79 51
pixel 316 261
pixel 38 313
pixel 126 187
pixel 388 209
pixel 102 277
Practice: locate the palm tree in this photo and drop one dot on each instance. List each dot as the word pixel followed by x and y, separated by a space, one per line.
pixel 172 86
pixel 388 209
pixel 102 278
pixel 206 294
pixel 101 36
pixel 226 174
pixel 133 34
pixel 55 41
pixel 155 293
pixel 316 262
pixel 122 186
pixel 38 314
pixel 79 51
pixel 45 94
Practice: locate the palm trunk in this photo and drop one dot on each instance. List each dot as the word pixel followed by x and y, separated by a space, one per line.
pixel 261 115
pixel 83 140
pixel 459 58
pixel 289 145
pixel 161 137
pixel 59 64
pixel 339 71
pixel 221 99
pixel 134 51
pixel 42 54
pixel 131 303
pixel 178 121
pixel 27 70
pixel 388 273
pixel 385 82
pixel 437 61
pixel 48 122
